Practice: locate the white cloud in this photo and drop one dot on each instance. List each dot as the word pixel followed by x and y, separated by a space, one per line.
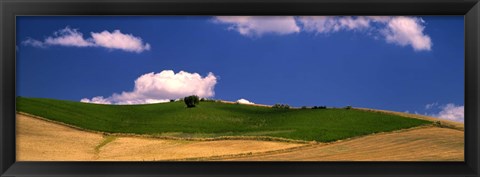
pixel 73 38
pixel 448 111
pixel 253 26
pixel 118 40
pixel 68 37
pixel 431 105
pixel 400 30
pixel 319 24
pixel 244 101
pixel 407 31
pixel 328 24
pixel 34 43
pixel 161 87
pixel 452 112
pixel 143 101
pixel 380 19
pixel 97 100
pixel 354 23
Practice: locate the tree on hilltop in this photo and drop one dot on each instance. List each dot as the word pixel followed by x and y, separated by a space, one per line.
pixel 191 101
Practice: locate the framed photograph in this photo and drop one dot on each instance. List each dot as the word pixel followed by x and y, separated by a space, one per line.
pixel 239 88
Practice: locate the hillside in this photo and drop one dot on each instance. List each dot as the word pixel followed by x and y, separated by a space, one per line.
pixel 40 140
pixel 417 144
pixel 214 119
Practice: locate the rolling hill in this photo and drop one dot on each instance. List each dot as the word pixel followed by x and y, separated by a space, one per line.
pixel 216 119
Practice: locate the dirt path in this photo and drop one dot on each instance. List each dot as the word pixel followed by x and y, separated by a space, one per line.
pixel 40 140
pixel 423 144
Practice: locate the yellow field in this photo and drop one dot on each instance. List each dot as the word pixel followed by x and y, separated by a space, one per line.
pixel 422 144
pixel 41 140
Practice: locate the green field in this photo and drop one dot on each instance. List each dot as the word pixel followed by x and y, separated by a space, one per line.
pixel 214 119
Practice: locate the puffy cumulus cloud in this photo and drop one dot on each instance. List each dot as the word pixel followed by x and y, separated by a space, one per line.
pixel 118 40
pixel 399 30
pixel 73 38
pixel 244 101
pixel 260 25
pixel 407 31
pixel 452 112
pixel 161 87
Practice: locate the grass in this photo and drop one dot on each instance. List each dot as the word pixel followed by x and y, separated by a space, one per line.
pixel 214 119
pixel 107 139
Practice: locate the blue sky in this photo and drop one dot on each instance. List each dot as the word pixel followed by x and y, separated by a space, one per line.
pixel 413 64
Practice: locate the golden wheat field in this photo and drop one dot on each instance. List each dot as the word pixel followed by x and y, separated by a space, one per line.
pixel 421 144
pixel 41 140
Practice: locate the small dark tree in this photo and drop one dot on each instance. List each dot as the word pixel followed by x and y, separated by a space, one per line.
pixel 191 101
pixel 281 106
pixel 276 105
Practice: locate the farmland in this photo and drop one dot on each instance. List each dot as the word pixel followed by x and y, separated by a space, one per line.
pixel 419 144
pixel 216 120
pixel 56 130
pixel 43 140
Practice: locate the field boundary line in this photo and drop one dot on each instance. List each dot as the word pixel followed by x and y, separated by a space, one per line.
pixel 58 122
pixel 106 140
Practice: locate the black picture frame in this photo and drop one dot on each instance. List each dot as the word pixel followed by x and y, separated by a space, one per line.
pixel 11 8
